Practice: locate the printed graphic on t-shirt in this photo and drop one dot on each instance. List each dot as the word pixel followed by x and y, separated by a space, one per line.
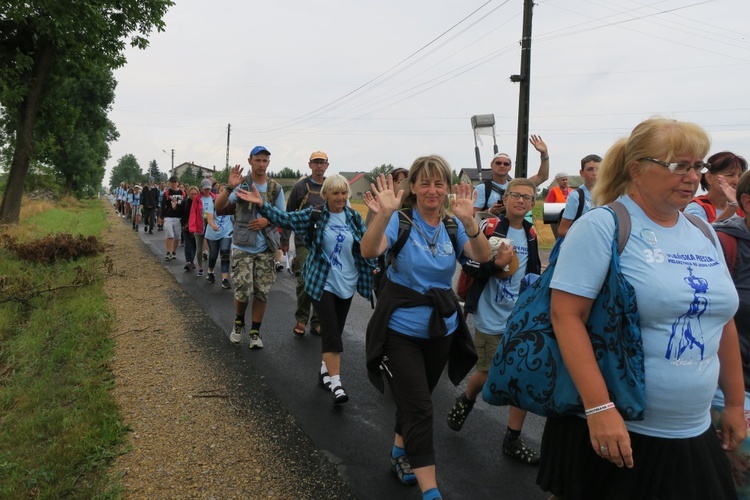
pixel 687 332
pixel 334 258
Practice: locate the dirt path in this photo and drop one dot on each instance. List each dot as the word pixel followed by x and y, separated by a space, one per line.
pixel 196 432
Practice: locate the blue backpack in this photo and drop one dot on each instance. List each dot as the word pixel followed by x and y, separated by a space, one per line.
pixel 528 371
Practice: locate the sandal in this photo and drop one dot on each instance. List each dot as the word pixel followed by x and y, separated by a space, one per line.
pixel 519 451
pixel 461 409
pixel 402 468
pixel 315 331
pixel 299 330
pixel 324 380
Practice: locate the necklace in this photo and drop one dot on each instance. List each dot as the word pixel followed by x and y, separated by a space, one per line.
pixel 433 243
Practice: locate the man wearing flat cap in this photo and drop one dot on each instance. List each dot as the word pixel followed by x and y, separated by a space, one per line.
pixel 305 193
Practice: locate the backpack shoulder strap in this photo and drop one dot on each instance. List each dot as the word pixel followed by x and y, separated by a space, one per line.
pixel 729 245
pixel 700 224
pixel 274 188
pixel 622 218
pixel 581 203
pixel 487 192
pixel 404 228
pixel 452 229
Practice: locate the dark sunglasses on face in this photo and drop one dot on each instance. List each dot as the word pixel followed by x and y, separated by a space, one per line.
pixel 503 163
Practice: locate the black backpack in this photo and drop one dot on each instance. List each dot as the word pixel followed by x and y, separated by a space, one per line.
pixel 489 187
pixel 581 204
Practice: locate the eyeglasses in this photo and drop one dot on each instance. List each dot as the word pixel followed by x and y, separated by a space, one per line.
pixel 515 196
pixel 682 168
pixel 503 163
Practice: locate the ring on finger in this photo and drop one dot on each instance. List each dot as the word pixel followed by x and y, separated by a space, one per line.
pixel 603 449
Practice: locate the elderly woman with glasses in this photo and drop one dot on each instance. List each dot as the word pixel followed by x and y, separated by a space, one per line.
pixel 720 182
pixel 686 304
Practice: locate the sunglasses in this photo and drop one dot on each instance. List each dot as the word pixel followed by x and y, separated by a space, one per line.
pixel 503 163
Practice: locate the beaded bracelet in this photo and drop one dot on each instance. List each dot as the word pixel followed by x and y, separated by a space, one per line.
pixel 601 408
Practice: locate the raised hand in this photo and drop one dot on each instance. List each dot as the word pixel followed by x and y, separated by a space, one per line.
pixel 371 202
pixel 727 189
pixel 235 176
pixel 252 196
pixel 462 201
pixel 539 144
pixel 387 199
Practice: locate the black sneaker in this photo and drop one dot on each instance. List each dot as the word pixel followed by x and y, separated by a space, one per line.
pixel 168 256
pixel 518 450
pixel 211 278
pixel 225 284
pixel 461 409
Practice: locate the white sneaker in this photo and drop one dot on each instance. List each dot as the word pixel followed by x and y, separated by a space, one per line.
pixel 255 341
pixel 236 336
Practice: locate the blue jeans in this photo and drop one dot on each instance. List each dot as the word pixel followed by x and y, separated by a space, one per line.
pixel 214 246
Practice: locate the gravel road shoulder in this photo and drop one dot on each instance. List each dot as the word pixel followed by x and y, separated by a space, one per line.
pixel 198 429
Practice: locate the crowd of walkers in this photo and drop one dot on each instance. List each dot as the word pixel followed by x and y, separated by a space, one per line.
pixel 686 275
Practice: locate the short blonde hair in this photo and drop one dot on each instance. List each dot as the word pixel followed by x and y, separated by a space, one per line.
pixel 657 137
pixel 334 183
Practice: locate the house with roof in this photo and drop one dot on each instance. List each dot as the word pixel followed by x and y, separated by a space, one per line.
pixel 198 170
pixel 358 183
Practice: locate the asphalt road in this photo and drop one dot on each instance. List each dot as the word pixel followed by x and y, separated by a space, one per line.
pixel 358 436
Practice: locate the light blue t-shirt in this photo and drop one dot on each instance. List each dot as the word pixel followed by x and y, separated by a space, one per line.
pixel 420 267
pixel 571 203
pixel 495 196
pixel 225 224
pixel 685 296
pixel 260 239
pixel 129 198
pixel 500 295
pixel 208 206
pixel 337 247
pixel 699 211
pixel 136 200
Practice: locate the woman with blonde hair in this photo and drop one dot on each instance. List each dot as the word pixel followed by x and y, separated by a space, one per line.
pixel 334 269
pixel 418 323
pixel 685 301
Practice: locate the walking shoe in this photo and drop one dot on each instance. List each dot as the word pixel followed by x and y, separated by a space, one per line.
pixel 211 278
pixel 151 231
pixel 187 267
pixel 518 450
pixel 225 284
pixel 200 272
pixel 339 395
pixel 205 255
pixel 236 336
pixel 168 256
pixel 402 468
pixel 255 341
pixel 172 256
pixel 279 267
pixel 136 229
pixel 461 409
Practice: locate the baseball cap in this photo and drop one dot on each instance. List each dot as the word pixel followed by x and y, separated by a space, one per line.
pixel 137 186
pixel 173 179
pixel 259 149
pixel 319 155
pixel 150 179
pixel 205 184
pixel 501 155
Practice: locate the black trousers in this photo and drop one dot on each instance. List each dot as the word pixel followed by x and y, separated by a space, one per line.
pixel 413 369
pixel 332 311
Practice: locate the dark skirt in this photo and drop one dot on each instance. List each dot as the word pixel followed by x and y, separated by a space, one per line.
pixel 664 469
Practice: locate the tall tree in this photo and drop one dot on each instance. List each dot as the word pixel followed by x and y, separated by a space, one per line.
pixel 375 172
pixel 126 170
pixel 35 35
pixel 189 176
pixel 153 170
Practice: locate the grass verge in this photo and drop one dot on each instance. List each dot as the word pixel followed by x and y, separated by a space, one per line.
pixel 59 424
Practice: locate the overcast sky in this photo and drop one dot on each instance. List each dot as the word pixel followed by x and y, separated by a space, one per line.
pixel 385 82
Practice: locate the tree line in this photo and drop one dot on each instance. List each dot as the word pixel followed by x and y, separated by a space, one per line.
pixel 56 67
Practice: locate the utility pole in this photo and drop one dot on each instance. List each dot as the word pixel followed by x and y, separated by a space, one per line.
pixel 229 130
pixel 524 98
pixel 172 171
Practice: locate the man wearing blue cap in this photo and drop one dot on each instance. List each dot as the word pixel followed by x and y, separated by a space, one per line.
pixel 254 243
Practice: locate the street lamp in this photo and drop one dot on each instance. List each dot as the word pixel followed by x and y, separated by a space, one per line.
pixel 482 124
pixel 171 172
